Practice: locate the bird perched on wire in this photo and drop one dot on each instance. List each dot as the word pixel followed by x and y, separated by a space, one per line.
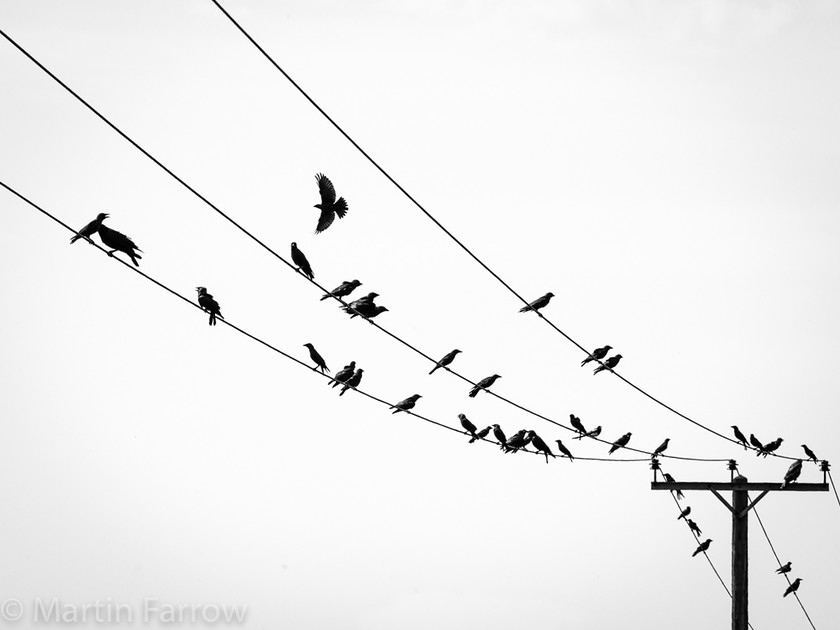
pixel 597 355
pixel 562 448
pixel 499 435
pixel 770 447
pixel 793 473
pixel 541 446
pixel 661 448
pixel 537 304
pixel 300 261
pixel 481 434
pixel 684 513
pixel 353 381
pixel 90 229
pixel 739 436
pixel 609 364
pixel 118 242
pixel 593 433
pixel 317 359
pixel 703 547
pixel 206 302
pixel 518 440
pixel 329 207
pixel 693 526
pixel 622 441
pixel 793 587
pixel 483 384
pixel 448 358
pixel 469 427
pixel 368 310
pixel 343 374
pixel 670 479
pixel 785 568
pixel 756 442
pixel 810 454
pixel 577 424
pixel 408 403
pixel 344 289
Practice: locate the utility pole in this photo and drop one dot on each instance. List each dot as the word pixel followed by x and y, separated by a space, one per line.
pixel 740 509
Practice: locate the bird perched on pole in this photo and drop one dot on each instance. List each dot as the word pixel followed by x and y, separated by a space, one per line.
pixel 537 304
pixel 562 448
pixel 756 442
pixel 793 473
pixel 703 547
pixel 300 261
pixel 693 526
pixel 684 513
pixel 609 364
pixel 810 454
pixel 770 447
pixel 499 435
pixel 206 301
pixel 353 381
pixel 329 207
pixel 317 359
pixel 661 448
pixel 593 433
pixel 481 434
pixel 793 587
pixel 597 355
pixel 670 479
pixel 785 568
pixel 739 436
pixel 541 446
pixel 577 424
pixel 344 289
pixel 343 374
pixel 118 242
pixel 448 358
pixel 405 405
pixel 483 384
pixel 90 229
pixel 469 427
pixel 622 441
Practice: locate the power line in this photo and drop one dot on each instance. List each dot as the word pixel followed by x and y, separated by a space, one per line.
pixel 833 487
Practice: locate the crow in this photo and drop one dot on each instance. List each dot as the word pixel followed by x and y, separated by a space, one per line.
pixel 329 207
pixel 483 384
pixel 541 446
pixel 118 242
pixel 809 453
pixel 302 264
pixel 785 568
pixel 481 434
pixel 537 304
pixel 622 441
pixel 206 301
pixel 793 473
pixel 684 513
pixel 793 587
pixel 345 288
pixel 693 526
pixel 703 547
pixel 317 358
pixel 405 405
pixel 353 381
pixel 343 374
pixel 661 448
pixel 446 360
pixel 670 479
pixel 90 229
pixel 739 436
pixel 577 424
pixel 469 427
pixel 562 448
pixel 597 355
pixel 609 364
pixel 594 433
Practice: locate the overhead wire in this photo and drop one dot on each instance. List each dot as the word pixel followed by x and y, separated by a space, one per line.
pixel 833 487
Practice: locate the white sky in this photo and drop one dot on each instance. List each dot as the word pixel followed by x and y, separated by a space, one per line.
pixel 668 170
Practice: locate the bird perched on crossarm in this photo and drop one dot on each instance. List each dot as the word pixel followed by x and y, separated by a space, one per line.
pixel 609 364
pixel 317 359
pixel 670 479
pixel 329 207
pixel 405 405
pixel 448 358
pixel 90 229
pixel 483 384
pixel 537 304
pixel 793 473
pixel 300 261
pixel 703 547
pixel 119 242
pixel 344 289
pixel 597 355
pixel 206 301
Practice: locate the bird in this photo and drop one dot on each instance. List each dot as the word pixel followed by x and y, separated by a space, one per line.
pixel 577 424
pixel 469 427
pixel 809 453
pixel 609 364
pixel 770 447
pixel 405 405
pixel 537 304
pixel 562 448
pixel 541 446
pixel 793 587
pixel 481 434
pixel 670 479
pixel 90 229
pixel 448 358
pixel 693 526
pixel 368 310
pixel 703 547
pixel 499 435
pixel 118 242
pixel 317 358
pixel 206 302
pixel 516 441
pixel 329 207
pixel 300 261
pixel 622 441
pixel 739 436
pixel 597 355
pixel 684 513
pixel 785 568
pixel 483 384
pixel 661 448
pixel 793 473
pixel 353 381
pixel 344 289
pixel 343 374
pixel 593 433
pixel 756 442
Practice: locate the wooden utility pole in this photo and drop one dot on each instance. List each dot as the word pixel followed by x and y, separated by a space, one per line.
pixel 740 508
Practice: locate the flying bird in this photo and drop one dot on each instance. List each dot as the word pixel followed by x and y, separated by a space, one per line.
pixel 537 304
pixel 756 442
pixel 684 513
pixel 329 207
pixel 353 381
pixel 809 453
pixel 562 448
pixel 302 264
pixel 770 447
pixel 118 242
pixel 483 384
pixel 541 446
pixel 499 435
pixel 593 433
pixel 317 359
pixel 90 229
pixel 344 289
pixel 693 526
pixel 793 587
pixel 793 473
pixel 343 374
pixel 481 434
pixel 785 568
pixel 206 302
pixel 670 479
pixel 609 364
pixel 739 436
pixel 703 547
pixel 622 441
pixel 577 424
pixel 661 448
pixel 469 427
pixel 597 355
pixel 405 405
pixel 448 358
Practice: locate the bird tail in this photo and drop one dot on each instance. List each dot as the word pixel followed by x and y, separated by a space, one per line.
pixel 473 392
pixel 134 257
pixel 434 368
pixel 326 295
pixel 525 309
pixel 341 207
pixel 586 360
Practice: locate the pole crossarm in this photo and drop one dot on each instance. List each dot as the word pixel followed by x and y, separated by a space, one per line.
pixel 760 486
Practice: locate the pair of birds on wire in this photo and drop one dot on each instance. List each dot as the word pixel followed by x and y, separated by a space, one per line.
pixel 113 240
pixel 703 546
pixel 514 443
pixel 598 355
pixel 621 442
pixel 793 586
pixel 364 306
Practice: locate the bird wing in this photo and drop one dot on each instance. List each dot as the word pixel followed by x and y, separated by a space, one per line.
pixel 325 220
pixel 326 188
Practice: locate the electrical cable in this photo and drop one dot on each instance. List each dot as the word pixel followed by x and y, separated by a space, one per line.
pixel 833 487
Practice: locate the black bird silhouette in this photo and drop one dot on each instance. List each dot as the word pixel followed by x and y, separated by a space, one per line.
pixel 693 526
pixel 622 441
pixel 448 358
pixel 353 381
pixel 90 229
pixel 739 436
pixel 317 358
pixel 368 310
pixel 793 587
pixel 405 405
pixel 469 427
pixel 785 568
pixel 809 453
pixel 206 301
pixel 302 264
pixel 684 513
pixel 561 447
pixel 516 441
pixel 118 242
pixel 703 547
pixel 597 355
pixel 329 207
pixel 541 446
pixel 661 448
pixel 670 479
pixel 483 384
pixel 577 424
pixel 536 305
pixel 756 442
pixel 609 364
pixel 593 433
pixel 345 288
pixel 793 473
pixel 481 434
pixel 770 447
pixel 499 435
pixel 343 374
